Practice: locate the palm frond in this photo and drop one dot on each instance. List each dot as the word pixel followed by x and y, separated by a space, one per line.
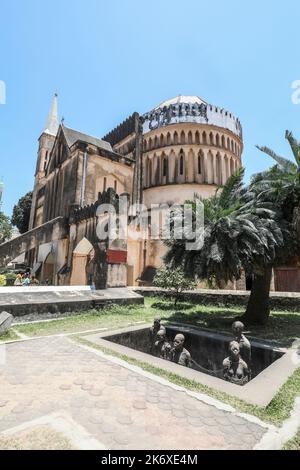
pixel 232 188
pixel 286 164
pixel 295 146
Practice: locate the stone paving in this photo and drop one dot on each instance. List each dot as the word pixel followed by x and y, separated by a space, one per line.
pixel 118 407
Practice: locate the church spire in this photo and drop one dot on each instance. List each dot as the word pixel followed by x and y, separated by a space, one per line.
pixel 52 124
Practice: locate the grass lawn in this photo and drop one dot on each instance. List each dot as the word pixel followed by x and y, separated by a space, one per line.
pixel 283 327
pixel 9 336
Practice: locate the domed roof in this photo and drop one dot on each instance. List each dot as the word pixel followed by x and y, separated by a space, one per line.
pixel 181 99
pixel 193 109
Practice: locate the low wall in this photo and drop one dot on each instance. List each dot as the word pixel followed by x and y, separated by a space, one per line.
pixel 278 300
pixel 57 302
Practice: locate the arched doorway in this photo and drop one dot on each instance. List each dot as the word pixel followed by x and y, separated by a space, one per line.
pixel 48 269
pixel 82 271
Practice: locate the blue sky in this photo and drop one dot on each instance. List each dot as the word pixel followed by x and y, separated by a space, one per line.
pixel 108 58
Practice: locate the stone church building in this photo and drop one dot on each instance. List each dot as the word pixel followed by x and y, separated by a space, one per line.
pixel 180 148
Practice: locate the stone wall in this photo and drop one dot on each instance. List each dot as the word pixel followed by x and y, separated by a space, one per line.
pixel 278 300
pixel 54 230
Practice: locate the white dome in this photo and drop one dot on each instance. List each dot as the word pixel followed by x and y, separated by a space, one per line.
pixel 192 109
pixel 181 99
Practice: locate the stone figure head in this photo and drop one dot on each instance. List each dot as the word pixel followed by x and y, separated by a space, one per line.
pixel 156 323
pixel 238 328
pixel 179 342
pixel 234 350
pixel 161 336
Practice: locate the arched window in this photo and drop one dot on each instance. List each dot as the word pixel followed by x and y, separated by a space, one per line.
pixel 175 138
pixel 232 146
pixel 181 162
pixel 217 140
pixel 211 138
pixel 197 138
pixel 204 138
pixel 228 143
pixel 168 138
pixel 223 141
pixel 199 164
pixel 190 137
pixel 150 173
pixel 46 160
pixel 150 144
pixel 161 140
pixel 182 137
pixel 157 176
pixel 165 166
pixel 156 142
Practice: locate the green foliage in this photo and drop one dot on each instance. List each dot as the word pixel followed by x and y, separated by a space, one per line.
pixel 2 280
pixel 5 228
pixel 242 229
pixel 174 280
pixel 21 213
pixel 10 278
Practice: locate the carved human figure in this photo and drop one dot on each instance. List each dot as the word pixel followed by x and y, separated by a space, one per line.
pixel 235 369
pixel 155 328
pixel 162 347
pixel 179 354
pixel 245 346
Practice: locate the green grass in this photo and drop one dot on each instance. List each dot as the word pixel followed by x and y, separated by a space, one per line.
pixel 276 412
pixel 282 327
pixel 293 444
pixel 9 336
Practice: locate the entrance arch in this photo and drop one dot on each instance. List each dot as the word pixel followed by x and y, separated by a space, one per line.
pixel 82 255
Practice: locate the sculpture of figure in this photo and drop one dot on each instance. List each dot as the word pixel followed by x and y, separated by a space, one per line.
pixel 179 354
pixel 162 347
pixel 155 328
pixel 235 369
pixel 244 343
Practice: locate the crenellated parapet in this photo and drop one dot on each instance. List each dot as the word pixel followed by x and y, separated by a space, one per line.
pixel 79 214
pixel 123 130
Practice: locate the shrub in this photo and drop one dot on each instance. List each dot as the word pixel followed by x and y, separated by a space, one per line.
pixel 174 281
pixel 10 278
pixel 2 280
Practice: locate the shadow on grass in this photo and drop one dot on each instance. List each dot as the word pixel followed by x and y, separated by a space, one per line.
pixel 170 306
pixel 210 319
pixel 282 327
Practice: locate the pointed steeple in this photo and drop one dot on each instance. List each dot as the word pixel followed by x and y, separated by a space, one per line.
pixel 52 124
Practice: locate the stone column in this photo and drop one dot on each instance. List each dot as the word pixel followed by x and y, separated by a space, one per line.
pixel 214 166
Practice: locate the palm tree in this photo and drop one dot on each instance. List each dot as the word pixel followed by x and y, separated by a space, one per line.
pixel 282 181
pixel 243 229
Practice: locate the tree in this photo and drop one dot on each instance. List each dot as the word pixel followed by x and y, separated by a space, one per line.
pixel 243 229
pixel 174 280
pixel 21 213
pixel 282 181
pixel 5 228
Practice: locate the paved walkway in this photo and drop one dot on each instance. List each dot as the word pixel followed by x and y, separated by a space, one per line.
pixel 116 407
